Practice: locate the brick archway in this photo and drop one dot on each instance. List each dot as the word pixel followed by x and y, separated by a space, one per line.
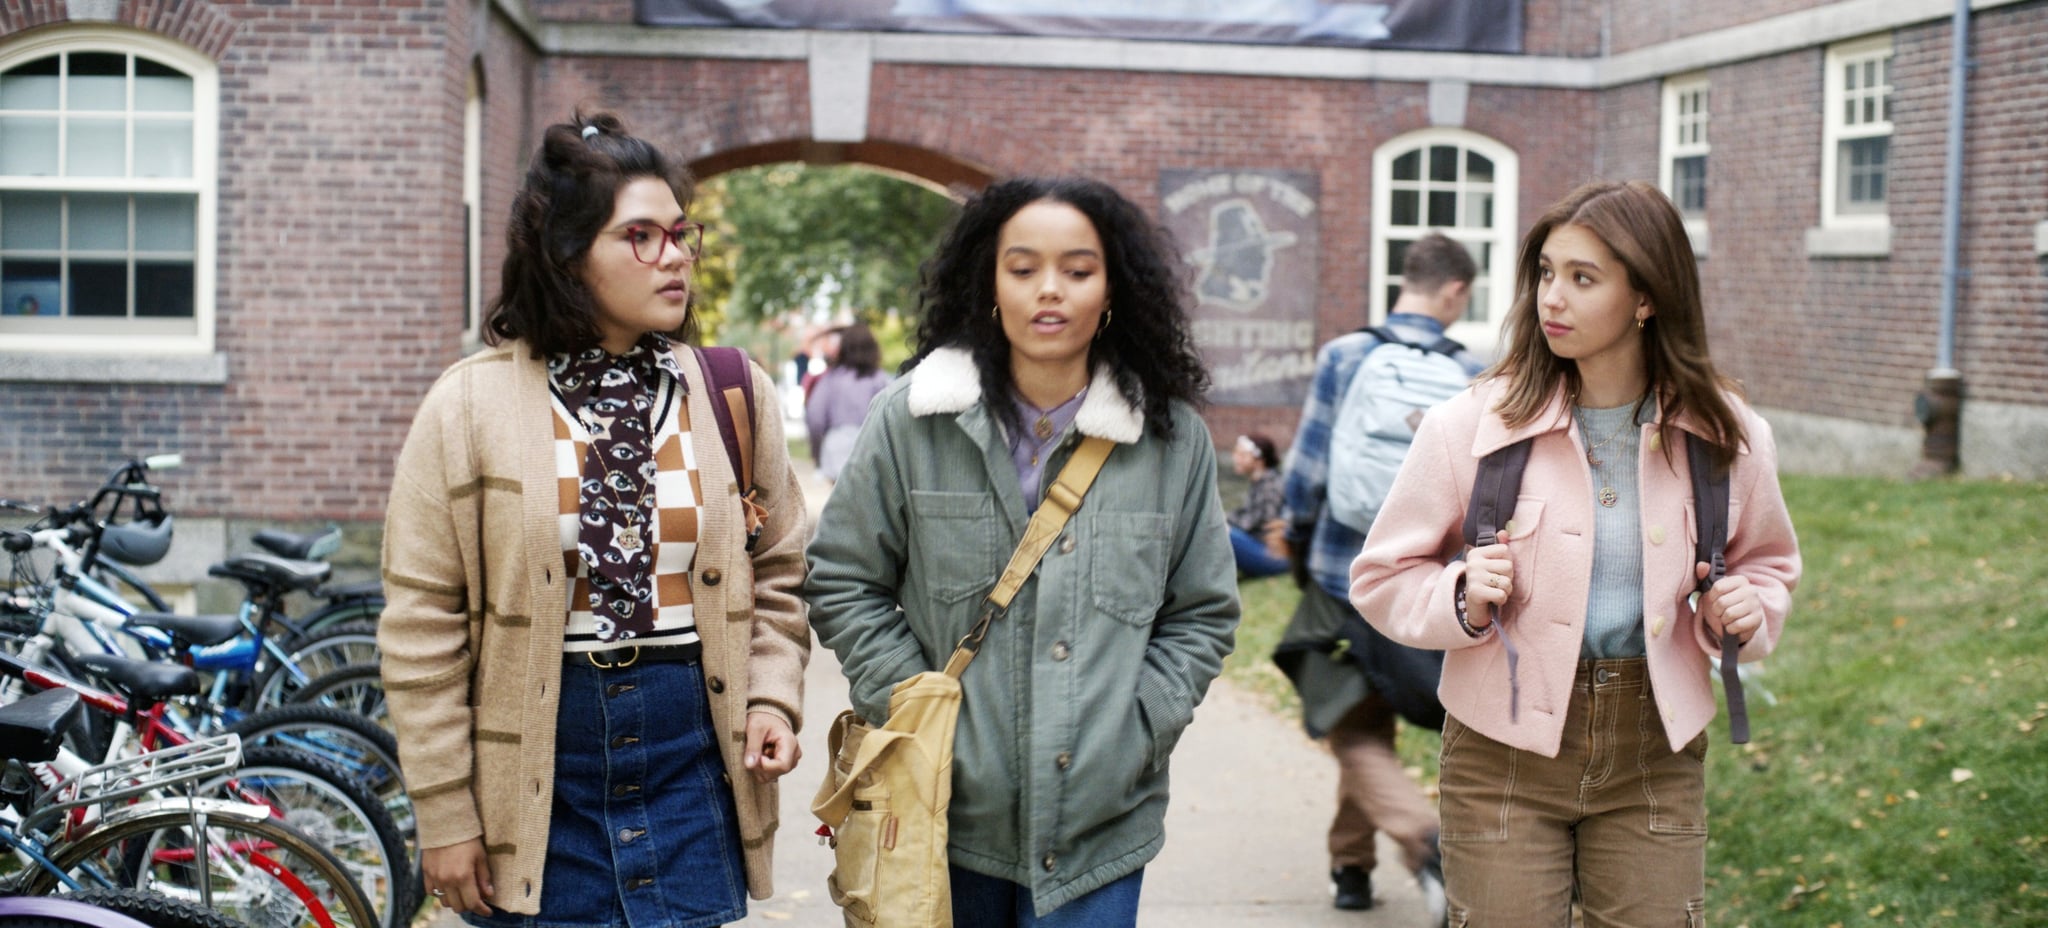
pixel 952 176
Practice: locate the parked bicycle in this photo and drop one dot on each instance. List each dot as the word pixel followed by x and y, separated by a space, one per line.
pixel 134 824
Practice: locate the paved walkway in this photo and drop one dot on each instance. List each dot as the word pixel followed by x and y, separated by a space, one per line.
pixel 1245 831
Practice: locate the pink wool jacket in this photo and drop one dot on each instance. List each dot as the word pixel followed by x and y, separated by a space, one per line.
pixel 1404 581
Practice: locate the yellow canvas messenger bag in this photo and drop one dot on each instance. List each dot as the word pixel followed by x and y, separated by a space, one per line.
pixel 886 794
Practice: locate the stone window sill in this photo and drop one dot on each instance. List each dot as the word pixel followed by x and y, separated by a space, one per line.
pixel 33 367
pixel 1849 242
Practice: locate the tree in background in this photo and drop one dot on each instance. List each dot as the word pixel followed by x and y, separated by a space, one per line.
pixel 789 242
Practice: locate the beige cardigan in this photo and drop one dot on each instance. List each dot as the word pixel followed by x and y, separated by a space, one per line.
pixel 476 602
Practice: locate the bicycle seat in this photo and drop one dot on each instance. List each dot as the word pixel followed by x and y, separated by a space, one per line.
pixel 271 570
pixel 195 630
pixel 32 728
pixel 312 546
pixel 144 680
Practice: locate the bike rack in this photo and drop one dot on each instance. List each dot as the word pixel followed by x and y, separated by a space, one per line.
pixel 132 777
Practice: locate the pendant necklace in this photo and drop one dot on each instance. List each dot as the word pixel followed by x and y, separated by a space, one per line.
pixel 628 537
pixel 1608 497
pixel 1041 428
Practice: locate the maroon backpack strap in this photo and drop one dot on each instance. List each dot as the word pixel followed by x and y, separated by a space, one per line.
pixel 730 380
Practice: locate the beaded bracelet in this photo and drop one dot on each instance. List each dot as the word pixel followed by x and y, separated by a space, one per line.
pixel 1463 621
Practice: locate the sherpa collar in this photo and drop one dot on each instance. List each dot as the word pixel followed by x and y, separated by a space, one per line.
pixel 947 381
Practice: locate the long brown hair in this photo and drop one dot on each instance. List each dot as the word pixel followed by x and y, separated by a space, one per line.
pixel 1636 222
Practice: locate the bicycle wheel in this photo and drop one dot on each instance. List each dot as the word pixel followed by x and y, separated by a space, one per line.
pixel 311 655
pixel 357 689
pixel 260 871
pixel 364 609
pixel 149 909
pixel 354 743
pixel 332 808
pixel 46 912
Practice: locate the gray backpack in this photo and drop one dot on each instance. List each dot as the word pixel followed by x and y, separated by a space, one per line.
pixel 1394 386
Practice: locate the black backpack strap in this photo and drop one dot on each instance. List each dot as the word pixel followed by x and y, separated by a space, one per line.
pixel 1494 489
pixel 1710 510
pixel 731 384
pixel 1444 345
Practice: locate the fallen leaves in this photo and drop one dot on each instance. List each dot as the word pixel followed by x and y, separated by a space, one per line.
pixel 1961 775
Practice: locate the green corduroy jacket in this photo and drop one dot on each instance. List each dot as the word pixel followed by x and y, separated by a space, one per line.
pixel 1080 692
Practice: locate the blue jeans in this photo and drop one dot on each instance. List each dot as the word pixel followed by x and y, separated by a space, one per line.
pixel 642 833
pixel 992 902
pixel 1253 560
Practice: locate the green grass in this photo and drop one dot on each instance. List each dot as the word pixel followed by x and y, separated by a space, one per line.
pixel 1902 776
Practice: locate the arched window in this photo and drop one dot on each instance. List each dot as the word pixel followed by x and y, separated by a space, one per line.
pixel 107 179
pixel 1459 183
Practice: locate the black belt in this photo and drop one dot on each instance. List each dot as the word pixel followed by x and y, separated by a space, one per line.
pixel 622 658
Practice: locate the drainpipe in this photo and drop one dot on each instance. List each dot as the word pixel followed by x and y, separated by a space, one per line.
pixel 1939 406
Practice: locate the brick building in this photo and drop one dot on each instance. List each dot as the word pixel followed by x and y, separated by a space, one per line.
pixel 253 231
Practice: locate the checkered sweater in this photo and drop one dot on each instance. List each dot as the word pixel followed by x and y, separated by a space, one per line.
pixel 677 488
pixel 473 629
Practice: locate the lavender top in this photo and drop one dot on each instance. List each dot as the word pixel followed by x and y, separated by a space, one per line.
pixel 1030 453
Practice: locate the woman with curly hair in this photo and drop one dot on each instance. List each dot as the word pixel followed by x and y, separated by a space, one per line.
pixel 1052 311
pixel 595 677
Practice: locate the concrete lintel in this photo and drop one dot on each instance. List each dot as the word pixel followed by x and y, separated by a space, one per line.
pixel 841 64
pixel 33 367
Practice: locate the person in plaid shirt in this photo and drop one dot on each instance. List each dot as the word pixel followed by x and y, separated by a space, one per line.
pixel 1374 792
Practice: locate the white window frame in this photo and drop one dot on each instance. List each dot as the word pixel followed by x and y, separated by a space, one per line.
pixel 1685 124
pixel 204 183
pixel 473 203
pixel 1481 334
pixel 1834 131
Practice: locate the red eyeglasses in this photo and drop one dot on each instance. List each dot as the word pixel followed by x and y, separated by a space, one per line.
pixel 647 240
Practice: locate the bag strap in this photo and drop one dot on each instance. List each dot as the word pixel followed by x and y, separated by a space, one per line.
pixel 1710 507
pixel 1494 490
pixel 1061 499
pixel 1444 345
pixel 727 376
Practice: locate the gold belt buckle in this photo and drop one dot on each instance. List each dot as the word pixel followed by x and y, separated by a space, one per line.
pixel 591 656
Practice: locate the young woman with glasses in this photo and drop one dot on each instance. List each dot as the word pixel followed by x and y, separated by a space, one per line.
pixel 595 685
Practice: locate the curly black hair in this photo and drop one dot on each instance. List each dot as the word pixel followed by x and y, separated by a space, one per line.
pixel 571 189
pixel 1150 349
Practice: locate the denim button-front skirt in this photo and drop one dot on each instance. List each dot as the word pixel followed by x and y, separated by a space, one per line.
pixel 643 833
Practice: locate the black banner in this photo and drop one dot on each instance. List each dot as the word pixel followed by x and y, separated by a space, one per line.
pixel 1492 26
pixel 1251 238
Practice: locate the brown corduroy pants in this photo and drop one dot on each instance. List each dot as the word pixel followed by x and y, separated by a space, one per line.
pixel 1616 814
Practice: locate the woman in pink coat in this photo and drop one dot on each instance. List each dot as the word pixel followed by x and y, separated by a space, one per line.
pixel 1579 765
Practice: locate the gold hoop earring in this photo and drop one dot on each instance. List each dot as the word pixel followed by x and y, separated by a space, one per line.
pixel 995 311
pixel 1106 313
pixel 1639 322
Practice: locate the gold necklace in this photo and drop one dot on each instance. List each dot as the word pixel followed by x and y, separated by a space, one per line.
pixel 629 538
pixel 1608 497
pixel 1042 428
